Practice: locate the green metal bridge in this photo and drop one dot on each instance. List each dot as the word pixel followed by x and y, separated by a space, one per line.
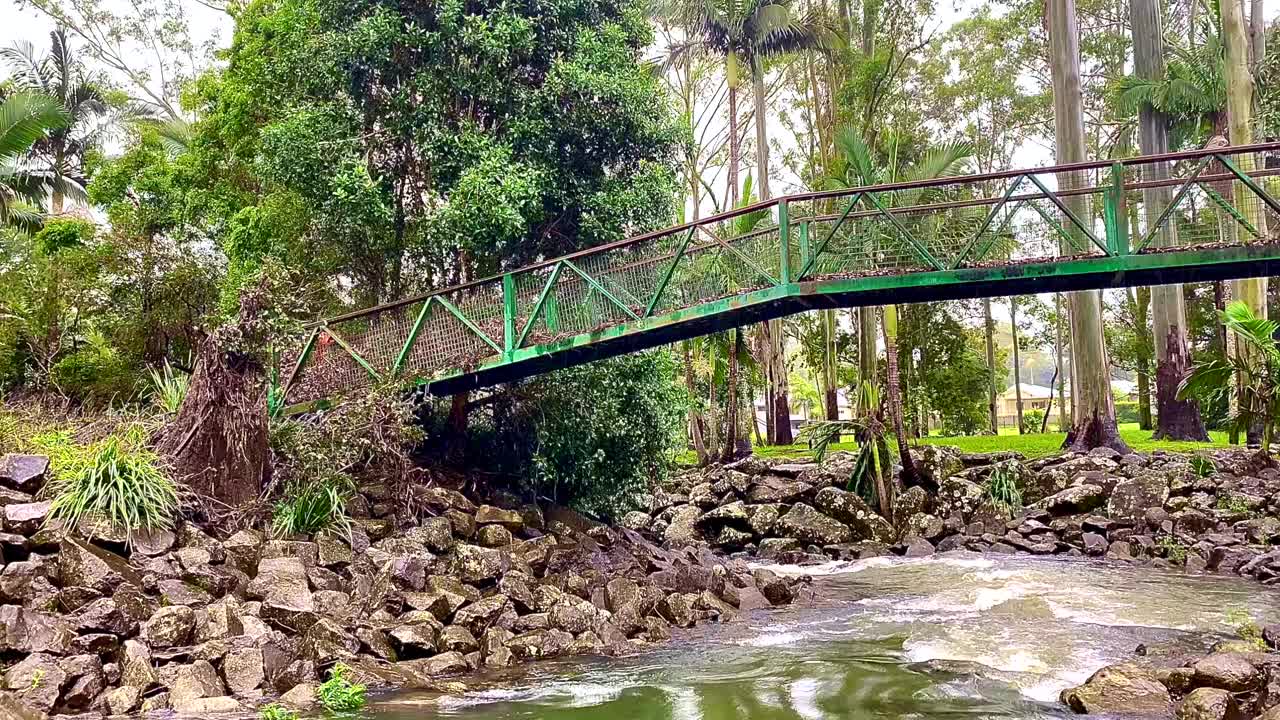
pixel 1182 217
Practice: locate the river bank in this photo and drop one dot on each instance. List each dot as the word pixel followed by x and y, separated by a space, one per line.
pixel 423 587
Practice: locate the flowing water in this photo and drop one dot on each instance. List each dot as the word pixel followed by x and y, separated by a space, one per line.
pixel 942 637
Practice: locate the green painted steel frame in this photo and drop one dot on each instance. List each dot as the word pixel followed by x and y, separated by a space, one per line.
pixel 794 290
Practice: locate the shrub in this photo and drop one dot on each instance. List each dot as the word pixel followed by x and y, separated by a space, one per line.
pixel 1032 420
pixel 339 693
pixel 1246 628
pixel 1203 466
pixel 320 505
pixel 1174 549
pixel 116 479
pixel 95 373
pixel 591 437
pixel 1127 411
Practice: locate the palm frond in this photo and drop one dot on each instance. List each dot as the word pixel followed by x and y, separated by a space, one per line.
pixel 857 156
pixel 28 71
pixel 25 118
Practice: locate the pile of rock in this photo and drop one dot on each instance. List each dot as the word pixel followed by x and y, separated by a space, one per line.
pixel 1236 680
pixel 184 620
pixel 1217 511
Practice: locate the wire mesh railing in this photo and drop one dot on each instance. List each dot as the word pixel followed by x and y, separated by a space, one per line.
pixel 1197 199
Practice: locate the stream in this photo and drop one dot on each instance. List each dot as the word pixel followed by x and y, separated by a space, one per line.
pixel 940 637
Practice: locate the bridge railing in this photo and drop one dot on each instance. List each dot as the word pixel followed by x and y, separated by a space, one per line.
pixel 1140 205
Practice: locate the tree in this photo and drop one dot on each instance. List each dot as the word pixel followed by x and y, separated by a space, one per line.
pixel 1258 396
pixel 25 118
pixel 60 75
pixel 1093 416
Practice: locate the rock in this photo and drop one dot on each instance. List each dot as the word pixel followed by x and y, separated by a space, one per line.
pixel 151 542
pixel 848 508
pixel 26 518
pixel 136 665
pixel 332 551
pixel 244 550
pixel 436 533
pixel 244 670
pixel 493 536
pixel 510 519
pixel 301 697
pixel 1208 704
pixel 771 489
pixel 326 642
pixel 1073 500
pixel 1119 689
pixel 208 706
pixel 413 641
pixel 458 639
pixel 1131 498
pixel 619 592
pixel 102 615
pixel 85 565
pixel 935 463
pixel 479 615
pixel 36 681
pixel 677 609
pixel 636 520
pixel 476 564
pixel 910 502
pixel 775 589
pixel 682 529
pixel 192 682
pixel 919 547
pixel 923 525
pixel 171 626
pixel 1227 671
pixel 810 526
pixel 1094 544
pixel 732 514
pixel 960 496
pixel 281 583
pixel 123 700
pixel 24 473
pixel 25 631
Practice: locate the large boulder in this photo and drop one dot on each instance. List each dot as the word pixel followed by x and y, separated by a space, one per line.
pixel 1228 671
pixel 770 489
pixel 25 631
pixel 474 564
pixel 171 626
pixel 26 518
pixel 37 681
pixel 806 524
pixel 935 463
pixel 1208 704
pixel 282 586
pixel 960 496
pixel 1073 501
pixel 850 509
pixel 1124 689
pixel 1131 498
pixel 24 473
pixel 913 500
pixel 683 527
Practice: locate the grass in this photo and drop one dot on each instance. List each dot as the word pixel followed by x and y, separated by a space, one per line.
pixel 1032 446
pixel 276 711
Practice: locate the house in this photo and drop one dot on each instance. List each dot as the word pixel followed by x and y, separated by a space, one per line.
pixel 1034 397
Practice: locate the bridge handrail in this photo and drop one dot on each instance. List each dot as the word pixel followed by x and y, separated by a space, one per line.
pixel 845 192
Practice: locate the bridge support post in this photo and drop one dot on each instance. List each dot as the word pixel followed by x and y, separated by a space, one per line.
pixel 508 316
pixel 1116 213
pixel 784 242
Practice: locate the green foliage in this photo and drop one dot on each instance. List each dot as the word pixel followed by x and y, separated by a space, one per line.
pixel 1002 488
pixel 591 437
pixel 874 463
pixel 1032 420
pixel 1203 466
pixel 339 693
pixel 276 711
pixel 25 118
pixel 1256 365
pixel 95 373
pixel 318 505
pixel 1175 551
pixel 1246 627
pixel 116 479
pixel 1127 411
pixel 168 388
pixel 60 233
pixel 1233 503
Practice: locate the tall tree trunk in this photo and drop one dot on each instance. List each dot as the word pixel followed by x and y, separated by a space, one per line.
pixel 1141 305
pixel 989 330
pixel 1017 361
pixel 1059 375
pixel 867 344
pixel 696 430
pixel 1094 420
pixel 830 380
pixel 1176 419
pixel 761 100
pixel 734 151
pixel 1252 291
pixel 1257 34
pixel 731 401
pixel 909 475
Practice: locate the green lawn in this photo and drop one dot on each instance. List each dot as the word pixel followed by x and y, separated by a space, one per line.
pixel 1031 446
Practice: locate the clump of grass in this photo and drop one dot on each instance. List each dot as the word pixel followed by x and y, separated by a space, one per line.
pixel 1246 628
pixel 168 388
pixel 116 479
pixel 339 693
pixel 1002 488
pixel 1202 466
pixel 1175 551
pixel 276 711
pixel 321 505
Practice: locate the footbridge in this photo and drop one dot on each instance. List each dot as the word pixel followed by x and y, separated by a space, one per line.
pixel 1182 217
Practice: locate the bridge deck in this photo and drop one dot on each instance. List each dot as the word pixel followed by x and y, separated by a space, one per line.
pixel 1181 217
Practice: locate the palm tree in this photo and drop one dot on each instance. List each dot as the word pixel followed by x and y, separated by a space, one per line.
pixel 60 76
pixel 1192 92
pixel 856 165
pixel 1256 398
pixel 25 118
